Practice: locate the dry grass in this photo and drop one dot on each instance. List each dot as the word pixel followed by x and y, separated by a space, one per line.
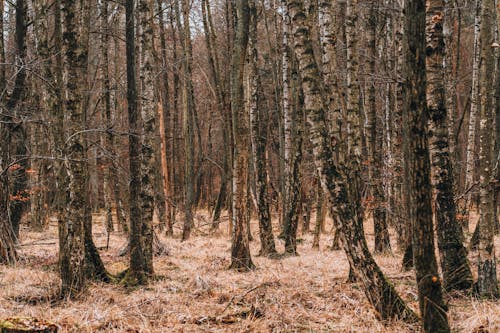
pixel 195 292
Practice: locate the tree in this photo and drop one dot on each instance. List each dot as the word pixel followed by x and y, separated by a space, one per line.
pixel 430 296
pixel 474 108
pixel 258 128
pixel 137 272
pixel 72 227
pixel 487 285
pixel 149 131
pixel 379 292
pixel 9 124
pixel 240 251
pixel 188 121
pixel 292 142
pixel 456 270
pixel 374 138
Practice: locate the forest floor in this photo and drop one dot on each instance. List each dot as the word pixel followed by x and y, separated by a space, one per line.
pixel 195 292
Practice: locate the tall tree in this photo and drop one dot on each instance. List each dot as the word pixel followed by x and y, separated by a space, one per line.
pixel 432 307
pixel 454 264
pixel 258 127
pixel 137 272
pixel 240 251
pixel 8 125
pixel 107 138
pixel 470 165
pixel 379 292
pixel 149 131
pixel 188 121
pixel 374 138
pixel 487 284
pixel 71 228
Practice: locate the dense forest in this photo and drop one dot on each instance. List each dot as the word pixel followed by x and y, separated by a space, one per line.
pixel 249 165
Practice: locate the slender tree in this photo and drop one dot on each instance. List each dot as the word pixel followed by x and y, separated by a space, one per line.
pixel 188 121
pixel 240 251
pixel 8 223
pixel 374 138
pixel 137 272
pixel 430 296
pixel 149 113
pixel 258 127
pixel 474 111
pixel 71 229
pixel 454 264
pixel 487 285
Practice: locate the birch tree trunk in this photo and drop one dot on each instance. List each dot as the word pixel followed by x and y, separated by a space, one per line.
pixel 71 229
pixel 432 308
pixel 382 242
pixel 8 222
pixel 474 110
pixel 188 123
pixel 487 284
pixel 456 270
pixel 149 131
pixel 107 138
pixel 380 293
pixel 240 250
pixel 137 272
pixel 258 127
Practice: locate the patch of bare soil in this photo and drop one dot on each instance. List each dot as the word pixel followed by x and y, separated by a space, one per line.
pixel 195 292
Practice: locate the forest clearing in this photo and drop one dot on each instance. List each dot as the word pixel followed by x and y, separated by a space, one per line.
pixel 195 292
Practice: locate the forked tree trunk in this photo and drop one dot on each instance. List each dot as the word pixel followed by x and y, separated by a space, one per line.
pixel 455 267
pixel 487 284
pixel 258 127
pixel 240 250
pixel 379 291
pixel 432 307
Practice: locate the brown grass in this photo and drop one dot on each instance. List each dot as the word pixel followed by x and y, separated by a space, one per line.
pixel 194 291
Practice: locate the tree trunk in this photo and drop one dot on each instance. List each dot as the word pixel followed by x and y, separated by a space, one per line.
pixel 9 220
pixel 456 271
pixel 258 127
pixel 165 115
pixel 293 156
pixel 240 251
pixel 149 132
pixel 380 293
pixel 72 228
pixel 432 307
pixel 487 285
pixel 320 215
pixel 474 110
pixel 106 138
pixel 137 273
pixel 382 243
pixel 188 123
